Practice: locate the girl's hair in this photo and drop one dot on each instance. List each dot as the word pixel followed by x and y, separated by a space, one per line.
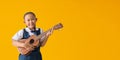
pixel 29 13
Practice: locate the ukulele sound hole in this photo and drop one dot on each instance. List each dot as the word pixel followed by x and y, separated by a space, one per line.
pixel 31 41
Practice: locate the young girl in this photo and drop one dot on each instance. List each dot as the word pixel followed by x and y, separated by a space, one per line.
pixel 31 29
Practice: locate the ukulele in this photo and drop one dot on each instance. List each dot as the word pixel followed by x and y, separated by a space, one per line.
pixel 35 40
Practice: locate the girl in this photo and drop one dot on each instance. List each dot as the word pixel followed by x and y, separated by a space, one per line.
pixel 30 22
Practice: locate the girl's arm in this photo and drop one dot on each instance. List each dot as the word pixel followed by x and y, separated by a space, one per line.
pixel 23 45
pixel 44 41
pixel 17 43
pixel 46 38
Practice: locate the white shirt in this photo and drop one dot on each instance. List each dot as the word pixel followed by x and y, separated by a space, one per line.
pixel 19 34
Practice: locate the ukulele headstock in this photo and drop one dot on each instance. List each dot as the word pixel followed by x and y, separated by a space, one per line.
pixel 58 26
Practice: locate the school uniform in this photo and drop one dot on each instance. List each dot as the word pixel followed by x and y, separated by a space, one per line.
pixel 24 34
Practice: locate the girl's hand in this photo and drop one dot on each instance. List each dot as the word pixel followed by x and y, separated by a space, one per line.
pixel 28 47
pixel 49 32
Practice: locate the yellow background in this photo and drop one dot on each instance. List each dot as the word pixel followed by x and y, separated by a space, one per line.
pixel 91 28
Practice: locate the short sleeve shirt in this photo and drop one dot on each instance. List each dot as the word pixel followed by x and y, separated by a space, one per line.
pixel 19 34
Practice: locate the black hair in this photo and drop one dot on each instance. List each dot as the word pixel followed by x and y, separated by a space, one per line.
pixel 29 13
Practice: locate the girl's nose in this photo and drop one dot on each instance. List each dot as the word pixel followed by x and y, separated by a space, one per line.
pixel 30 21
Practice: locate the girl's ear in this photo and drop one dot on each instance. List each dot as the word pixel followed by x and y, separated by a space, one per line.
pixel 36 19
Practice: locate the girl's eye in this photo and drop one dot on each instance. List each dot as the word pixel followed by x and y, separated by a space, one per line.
pixel 32 19
pixel 28 20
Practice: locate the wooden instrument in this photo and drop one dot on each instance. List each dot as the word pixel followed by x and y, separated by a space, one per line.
pixel 34 40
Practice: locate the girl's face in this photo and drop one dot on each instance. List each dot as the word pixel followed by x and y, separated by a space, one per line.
pixel 30 21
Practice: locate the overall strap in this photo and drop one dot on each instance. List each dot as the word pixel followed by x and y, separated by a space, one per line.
pixel 38 31
pixel 25 34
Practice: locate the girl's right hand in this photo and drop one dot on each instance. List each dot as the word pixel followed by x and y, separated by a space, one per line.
pixel 28 47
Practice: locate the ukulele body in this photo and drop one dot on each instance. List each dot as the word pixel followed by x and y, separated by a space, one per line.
pixel 32 41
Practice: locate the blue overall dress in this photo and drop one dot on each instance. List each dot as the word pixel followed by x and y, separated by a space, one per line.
pixel 35 54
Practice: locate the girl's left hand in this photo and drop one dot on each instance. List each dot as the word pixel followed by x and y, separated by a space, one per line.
pixel 49 32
